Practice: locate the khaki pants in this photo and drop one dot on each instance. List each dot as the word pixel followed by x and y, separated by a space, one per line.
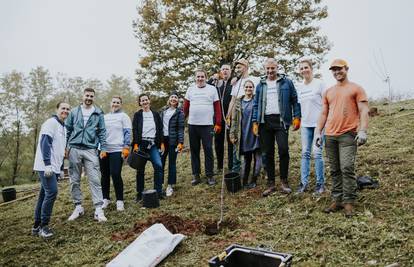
pixel 341 151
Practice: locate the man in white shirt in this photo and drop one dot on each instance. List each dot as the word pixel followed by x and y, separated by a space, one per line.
pixel 202 106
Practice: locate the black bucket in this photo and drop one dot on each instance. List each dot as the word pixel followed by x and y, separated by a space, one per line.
pixel 8 194
pixel 239 256
pixel 232 181
pixel 150 199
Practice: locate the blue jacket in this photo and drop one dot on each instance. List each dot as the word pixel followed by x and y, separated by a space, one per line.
pixel 289 107
pixel 88 136
pixel 175 126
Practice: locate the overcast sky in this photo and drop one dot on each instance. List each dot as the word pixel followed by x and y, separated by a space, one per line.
pixel 94 39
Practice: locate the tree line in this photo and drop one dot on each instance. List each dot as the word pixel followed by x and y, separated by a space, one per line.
pixel 27 100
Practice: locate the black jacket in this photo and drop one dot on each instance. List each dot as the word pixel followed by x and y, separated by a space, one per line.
pixel 175 126
pixel 224 92
pixel 137 124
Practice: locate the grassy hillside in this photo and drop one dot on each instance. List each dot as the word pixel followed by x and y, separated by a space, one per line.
pixel 382 233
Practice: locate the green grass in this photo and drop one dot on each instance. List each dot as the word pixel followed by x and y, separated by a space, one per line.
pixel 382 232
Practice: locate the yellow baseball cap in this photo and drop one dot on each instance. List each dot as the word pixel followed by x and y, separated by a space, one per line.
pixel 338 63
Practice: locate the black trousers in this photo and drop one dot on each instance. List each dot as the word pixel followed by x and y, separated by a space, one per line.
pixel 269 131
pixel 204 134
pixel 219 148
pixel 112 166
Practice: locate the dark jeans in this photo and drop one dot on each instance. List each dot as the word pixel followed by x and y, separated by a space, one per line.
pixel 198 134
pixel 269 131
pixel 112 166
pixel 219 148
pixel 171 153
pixel 341 151
pixel 47 197
pixel 155 159
pixel 247 157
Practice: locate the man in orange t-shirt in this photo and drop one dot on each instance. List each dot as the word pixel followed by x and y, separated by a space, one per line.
pixel 345 119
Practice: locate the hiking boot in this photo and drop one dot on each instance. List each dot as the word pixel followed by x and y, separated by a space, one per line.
pixel 270 190
pixel 211 181
pixel 77 212
pixel 348 210
pixel 169 191
pixel 284 187
pixel 196 180
pixel 105 203
pixel 270 183
pixel 334 207
pixel 99 215
pixel 45 232
pixel 35 231
pixel 319 189
pixel 120 205
pixel 301 189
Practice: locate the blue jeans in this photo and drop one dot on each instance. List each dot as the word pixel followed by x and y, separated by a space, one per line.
pixel 172 158
pixel 47 197
pixel 155 158
pixel 308 146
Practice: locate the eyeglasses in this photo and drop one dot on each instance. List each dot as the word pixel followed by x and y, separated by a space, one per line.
pixel 336 68
pixel 116 102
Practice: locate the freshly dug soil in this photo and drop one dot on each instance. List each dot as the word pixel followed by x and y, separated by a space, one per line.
pixel 175 224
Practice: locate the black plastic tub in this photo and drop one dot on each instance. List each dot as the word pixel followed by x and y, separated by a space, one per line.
pixel 8 194
pixel 150 199
pixel 233 183
pixel 239 256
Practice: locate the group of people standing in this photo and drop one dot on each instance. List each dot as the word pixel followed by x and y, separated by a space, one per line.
pixel 251 115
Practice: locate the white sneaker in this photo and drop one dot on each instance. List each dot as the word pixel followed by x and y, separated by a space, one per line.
pixel 99 215
pixel 169 191
pixel 105 203
pixel 77 212
pixel 120 205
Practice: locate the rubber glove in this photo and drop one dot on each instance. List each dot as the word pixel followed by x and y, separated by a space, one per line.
pixel 48 171
pixel 125 152
pixel 180 147
pixel 255 128
pixel 162 148
pixel 361 137
pixel 217 129
pixel 103 154
pixel 296 124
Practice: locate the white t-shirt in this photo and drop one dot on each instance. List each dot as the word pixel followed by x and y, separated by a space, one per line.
pixel 166 119
pixel 238 88
pixel 57 131
pixel 272 98
pixel 310 99
pixel 86 113
pixel 201 104
pixel 115 123
pixel 148 124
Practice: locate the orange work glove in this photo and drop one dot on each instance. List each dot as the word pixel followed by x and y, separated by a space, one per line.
pixel 180 147
pixel 125 152
pixel 217 129
pixel 135 147
pixel 103 154
pixel 255 128
pixel 162 148
pixel 296 124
